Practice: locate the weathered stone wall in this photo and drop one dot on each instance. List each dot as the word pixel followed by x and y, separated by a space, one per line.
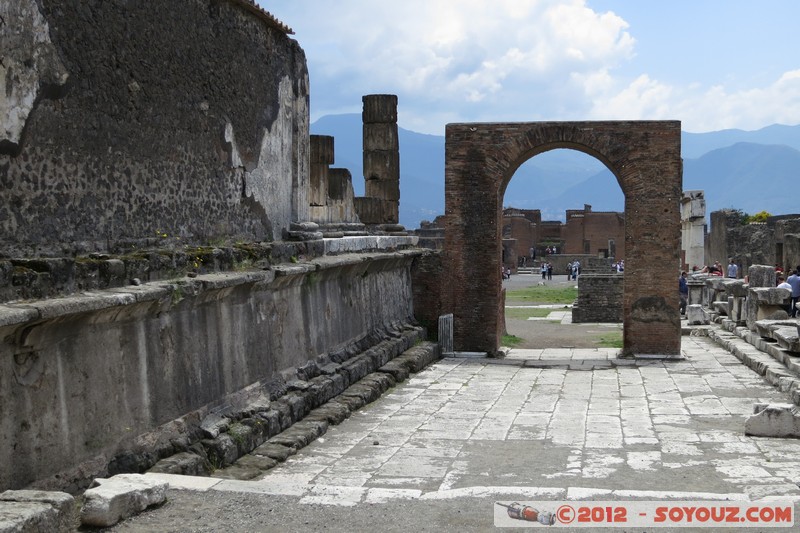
pixel 644 156
pixel 127 120
pixel 82 376
pixel 428 277
pixel 599 298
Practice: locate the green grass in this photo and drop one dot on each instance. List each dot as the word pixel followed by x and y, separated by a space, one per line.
pixel 510 341
pixel 544 294
pixel 524 313
pixel 611 340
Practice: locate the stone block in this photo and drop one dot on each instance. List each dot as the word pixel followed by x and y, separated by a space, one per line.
pixel 736 309
pixel 774 420
pixel 735 287
pixel 770 295
pixel 761 276
pixel 696 315
pixel 36 510
pixel 183 463
pixel 720 307
pixel 787 337
pixel 120 497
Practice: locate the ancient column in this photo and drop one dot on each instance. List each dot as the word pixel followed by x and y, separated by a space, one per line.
pixel 321 157
pixel 382 155
pixel 693 218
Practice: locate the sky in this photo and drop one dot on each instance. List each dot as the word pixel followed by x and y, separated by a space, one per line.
pixel 712 64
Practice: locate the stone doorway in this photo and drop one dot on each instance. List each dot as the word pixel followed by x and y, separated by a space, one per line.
pixel 644 156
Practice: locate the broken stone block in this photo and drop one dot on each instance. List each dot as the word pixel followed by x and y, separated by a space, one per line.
pixel 36 510
pixel 696 315
pixel 716 290
pixel 761 276
pixel 767 328
pixel 765 303
pixel 720 307
pixel 774 420
pixel 787 338
pixel 735 287
pixel 120 497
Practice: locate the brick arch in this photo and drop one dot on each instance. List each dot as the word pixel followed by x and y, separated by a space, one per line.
pixel 644 156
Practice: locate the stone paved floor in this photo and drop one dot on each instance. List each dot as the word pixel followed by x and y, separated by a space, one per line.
pixel 483 428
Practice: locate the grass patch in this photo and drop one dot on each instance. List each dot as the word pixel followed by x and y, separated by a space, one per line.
pixel 510 340
pixel 544 294
pixel 611 340
pixel 524 313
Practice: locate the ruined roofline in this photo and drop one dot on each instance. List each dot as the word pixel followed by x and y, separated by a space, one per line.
pixel 266 16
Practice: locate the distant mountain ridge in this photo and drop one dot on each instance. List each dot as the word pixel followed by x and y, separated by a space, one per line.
pixel 748 170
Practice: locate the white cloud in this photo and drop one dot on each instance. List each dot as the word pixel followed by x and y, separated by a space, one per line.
pixel 699 108
pixel 515 60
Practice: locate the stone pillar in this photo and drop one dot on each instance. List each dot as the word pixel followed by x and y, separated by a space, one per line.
pixel 697 292
pixel 693 216
pixel 381 157
pixel 321 148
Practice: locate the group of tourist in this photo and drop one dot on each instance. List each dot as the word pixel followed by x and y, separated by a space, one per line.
pixel 618 266
pixel 791 283
pixel 547 270
pixel 573 270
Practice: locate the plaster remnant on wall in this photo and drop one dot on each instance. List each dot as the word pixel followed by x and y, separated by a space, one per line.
pixel 28 61
pixel 269 184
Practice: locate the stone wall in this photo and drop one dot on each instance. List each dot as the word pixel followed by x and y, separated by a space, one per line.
pixel 124 121
pixel 82 376
pixel 775 241
pixel 599 298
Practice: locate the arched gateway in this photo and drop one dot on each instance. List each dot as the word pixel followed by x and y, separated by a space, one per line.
pixel 645 157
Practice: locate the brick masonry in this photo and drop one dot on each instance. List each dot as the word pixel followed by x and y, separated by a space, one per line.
pixel 644 156
pixel 599 298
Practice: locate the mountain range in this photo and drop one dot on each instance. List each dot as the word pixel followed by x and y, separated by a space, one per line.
pixel 749 170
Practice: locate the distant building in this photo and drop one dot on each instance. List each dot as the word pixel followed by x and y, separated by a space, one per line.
pixel 585 232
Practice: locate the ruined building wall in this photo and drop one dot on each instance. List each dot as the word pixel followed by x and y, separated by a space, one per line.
pixel 124 121
pixel 149 131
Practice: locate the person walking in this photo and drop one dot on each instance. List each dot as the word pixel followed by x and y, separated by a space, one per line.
pixel 733 270
pixel 683 290
pixel 794 281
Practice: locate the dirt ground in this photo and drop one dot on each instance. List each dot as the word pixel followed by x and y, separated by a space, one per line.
pixel 549 334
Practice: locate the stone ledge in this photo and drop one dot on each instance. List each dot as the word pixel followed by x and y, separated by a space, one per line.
pixel 12 314
pixel 369 243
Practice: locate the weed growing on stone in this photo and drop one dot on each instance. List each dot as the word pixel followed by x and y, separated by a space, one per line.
pixel 524 313
pixel 544 294
pixel 611 340
pixel 510 341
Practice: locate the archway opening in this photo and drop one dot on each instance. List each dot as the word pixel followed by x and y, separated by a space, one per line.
pixel 563 224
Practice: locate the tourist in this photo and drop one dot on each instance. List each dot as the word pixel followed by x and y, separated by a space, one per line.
pixel 544 270
pixel 794 282
pixel 733 270
pixel 549 271
pixel 683 291
pixel 576 268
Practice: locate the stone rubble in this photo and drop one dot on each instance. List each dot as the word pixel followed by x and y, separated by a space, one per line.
pixel 120 497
